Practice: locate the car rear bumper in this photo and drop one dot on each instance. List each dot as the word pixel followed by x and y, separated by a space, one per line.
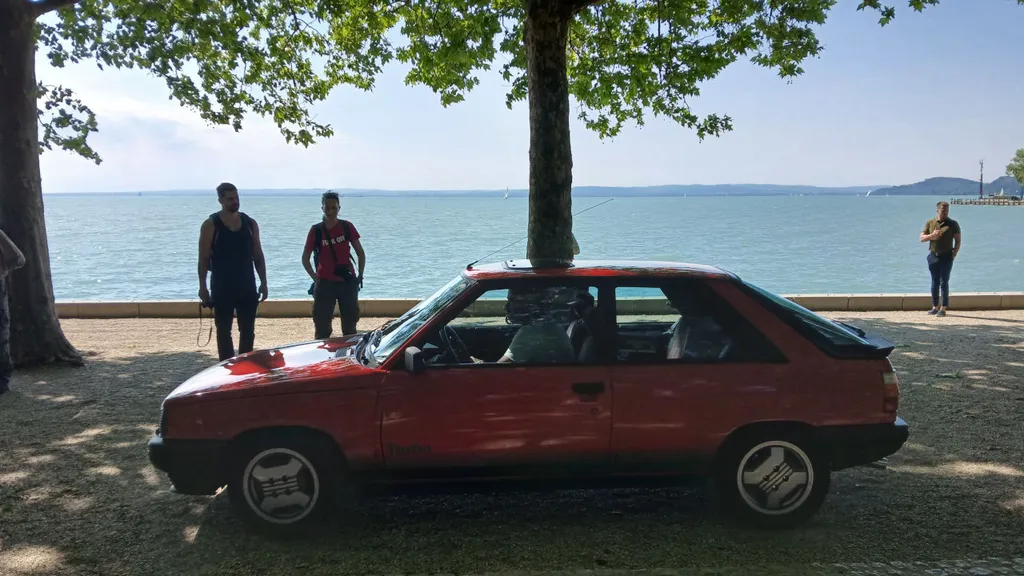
pixel 193 466
pixel 859 445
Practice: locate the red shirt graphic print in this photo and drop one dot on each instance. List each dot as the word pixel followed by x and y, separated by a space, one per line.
pixel 338 240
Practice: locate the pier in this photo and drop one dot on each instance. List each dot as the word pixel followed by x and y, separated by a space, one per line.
pixel 990 201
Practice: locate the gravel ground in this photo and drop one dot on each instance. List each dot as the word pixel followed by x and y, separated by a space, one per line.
pixel 78 495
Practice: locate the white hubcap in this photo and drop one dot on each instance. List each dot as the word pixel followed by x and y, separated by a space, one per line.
pixel 775 478
pixel 281 486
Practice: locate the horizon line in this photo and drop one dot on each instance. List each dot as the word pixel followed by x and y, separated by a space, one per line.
pixel 521 189
pixel 496 190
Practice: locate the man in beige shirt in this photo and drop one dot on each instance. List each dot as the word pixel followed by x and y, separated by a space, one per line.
pixel 944 239
pixel 10 260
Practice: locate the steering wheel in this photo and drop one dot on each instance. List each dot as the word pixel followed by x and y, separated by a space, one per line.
pixel 455 346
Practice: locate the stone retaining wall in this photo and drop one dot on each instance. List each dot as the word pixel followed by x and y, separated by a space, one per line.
pixel 387 308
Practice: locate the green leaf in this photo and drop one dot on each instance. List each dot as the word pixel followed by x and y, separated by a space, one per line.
pixel 629 57
pixel 1015 168
pixel 226 59
pixel 65 122
pixel 449 41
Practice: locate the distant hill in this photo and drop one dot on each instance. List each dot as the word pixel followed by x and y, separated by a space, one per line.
pixel 579 191
pixel 636 191
pixel 929 187
pixel 949 187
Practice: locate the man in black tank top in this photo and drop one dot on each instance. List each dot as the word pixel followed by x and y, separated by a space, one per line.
pixel 230 250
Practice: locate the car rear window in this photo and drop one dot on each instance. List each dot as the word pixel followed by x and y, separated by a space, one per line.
pixel 830 336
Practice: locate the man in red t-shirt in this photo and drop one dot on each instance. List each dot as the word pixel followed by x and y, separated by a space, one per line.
pixel 334 280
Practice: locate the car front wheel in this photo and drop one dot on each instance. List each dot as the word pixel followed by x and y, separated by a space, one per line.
pixel 283 484
pixel 773 479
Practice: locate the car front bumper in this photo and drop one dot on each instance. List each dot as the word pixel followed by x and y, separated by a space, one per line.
pixel 194 467
pixel 859 445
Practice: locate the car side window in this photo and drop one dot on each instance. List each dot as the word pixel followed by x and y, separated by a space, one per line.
pixel 523 324
pixel 683 321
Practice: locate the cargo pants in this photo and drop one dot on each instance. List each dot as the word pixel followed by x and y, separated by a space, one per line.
pixel 328 293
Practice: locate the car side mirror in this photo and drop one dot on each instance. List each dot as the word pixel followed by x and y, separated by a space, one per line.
pixel 414 360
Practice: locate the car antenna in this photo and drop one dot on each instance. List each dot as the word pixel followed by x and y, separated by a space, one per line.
pixel 527 236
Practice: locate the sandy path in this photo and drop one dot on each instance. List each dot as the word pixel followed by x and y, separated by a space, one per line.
pixel 78 496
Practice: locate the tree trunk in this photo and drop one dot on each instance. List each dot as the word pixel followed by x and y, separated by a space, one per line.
pixel 546 34
pixel 36 335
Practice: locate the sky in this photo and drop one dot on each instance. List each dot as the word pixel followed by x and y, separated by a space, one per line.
pixel 928 95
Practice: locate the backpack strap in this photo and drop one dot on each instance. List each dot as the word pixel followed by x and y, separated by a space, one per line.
pixel 246 222
pixel 319 232
pixel 318 239
pixel 218 224
pixel 348 238
pixel 215 219
pixel 334 247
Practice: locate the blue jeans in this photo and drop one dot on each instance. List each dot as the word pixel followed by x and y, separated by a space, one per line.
pixel 940 265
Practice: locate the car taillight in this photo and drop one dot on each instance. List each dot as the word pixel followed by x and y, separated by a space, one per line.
pixel 891 394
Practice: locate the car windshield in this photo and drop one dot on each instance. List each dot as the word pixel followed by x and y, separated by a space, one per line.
pixel 835 333
pixel 396 332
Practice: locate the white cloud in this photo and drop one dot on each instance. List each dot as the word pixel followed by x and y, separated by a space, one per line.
pixel 150 142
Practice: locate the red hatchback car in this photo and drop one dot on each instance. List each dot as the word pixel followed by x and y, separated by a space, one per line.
pixel 546 375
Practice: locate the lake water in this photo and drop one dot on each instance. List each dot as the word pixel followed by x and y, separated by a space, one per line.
pixel 106 247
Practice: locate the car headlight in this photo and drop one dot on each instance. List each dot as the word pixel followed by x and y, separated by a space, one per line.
pixel 163 422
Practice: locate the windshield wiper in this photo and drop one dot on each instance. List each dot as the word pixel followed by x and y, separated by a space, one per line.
pixel 362 349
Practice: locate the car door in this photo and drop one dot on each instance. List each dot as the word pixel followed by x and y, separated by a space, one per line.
pixel 495 418
pixel 490 416
pixel 688 369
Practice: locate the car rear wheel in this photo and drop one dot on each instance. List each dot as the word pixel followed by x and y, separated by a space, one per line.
pixel 283 483
pixel 773 479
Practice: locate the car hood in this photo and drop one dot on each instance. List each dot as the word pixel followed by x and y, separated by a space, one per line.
pixel 316 365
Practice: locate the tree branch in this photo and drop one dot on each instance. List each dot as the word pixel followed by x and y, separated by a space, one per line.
pixel 44 6
pixel 577 6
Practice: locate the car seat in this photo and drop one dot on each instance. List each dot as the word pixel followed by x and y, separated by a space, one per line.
pixel 598 344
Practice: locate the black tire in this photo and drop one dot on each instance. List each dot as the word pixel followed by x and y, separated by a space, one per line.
pixel 777 456
pixel 310 477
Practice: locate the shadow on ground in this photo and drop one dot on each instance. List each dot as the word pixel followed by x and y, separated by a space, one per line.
pixel 78 495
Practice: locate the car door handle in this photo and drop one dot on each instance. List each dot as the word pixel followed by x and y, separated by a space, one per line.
pixel 588 388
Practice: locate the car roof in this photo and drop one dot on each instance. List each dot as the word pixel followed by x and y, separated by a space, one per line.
pixel 591 268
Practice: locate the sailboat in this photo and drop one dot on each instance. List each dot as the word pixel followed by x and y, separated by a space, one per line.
pixel 506 194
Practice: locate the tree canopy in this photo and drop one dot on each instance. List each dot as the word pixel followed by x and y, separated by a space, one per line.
pixel 1016 167
pixel 277 58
